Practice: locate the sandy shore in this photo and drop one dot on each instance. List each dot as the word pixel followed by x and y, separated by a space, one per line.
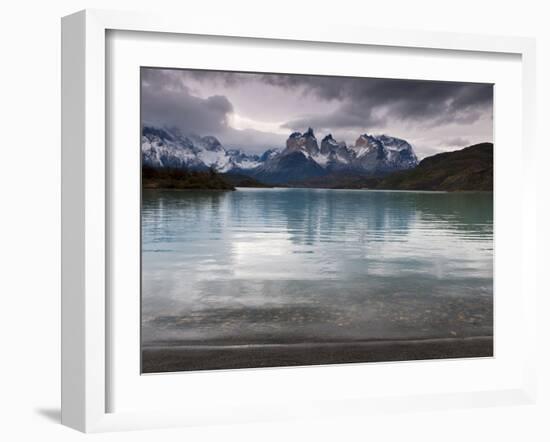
pixel 211 357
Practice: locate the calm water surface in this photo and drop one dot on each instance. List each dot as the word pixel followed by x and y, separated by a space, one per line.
pixel 306 265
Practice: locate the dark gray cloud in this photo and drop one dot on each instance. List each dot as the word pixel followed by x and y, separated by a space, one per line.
pixel 347 116
pixel 374 101
pixel 255 111
pixel 167 101
pixel 382 102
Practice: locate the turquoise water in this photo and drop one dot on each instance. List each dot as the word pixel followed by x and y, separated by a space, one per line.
pixel 310 265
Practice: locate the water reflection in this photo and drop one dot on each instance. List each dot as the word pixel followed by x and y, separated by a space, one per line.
pixel 274 265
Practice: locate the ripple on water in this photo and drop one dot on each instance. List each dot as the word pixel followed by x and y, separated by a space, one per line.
pixel 271 265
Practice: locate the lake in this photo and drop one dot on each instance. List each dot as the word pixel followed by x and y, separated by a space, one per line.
pixel 303 266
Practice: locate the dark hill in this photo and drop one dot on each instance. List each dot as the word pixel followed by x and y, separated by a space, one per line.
pixel 468 169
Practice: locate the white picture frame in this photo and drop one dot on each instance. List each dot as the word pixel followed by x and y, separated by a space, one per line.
pixel 86 203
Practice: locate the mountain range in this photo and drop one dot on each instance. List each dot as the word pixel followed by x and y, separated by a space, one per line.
pixel 302 159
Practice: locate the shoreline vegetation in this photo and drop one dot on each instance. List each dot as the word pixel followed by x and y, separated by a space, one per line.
pixel 182 179
pixel 468 169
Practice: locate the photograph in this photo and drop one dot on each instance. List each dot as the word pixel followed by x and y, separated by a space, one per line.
pixel 298 219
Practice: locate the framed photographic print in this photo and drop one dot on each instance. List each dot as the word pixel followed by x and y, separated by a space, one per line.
pixel 284 222
pixel 269 245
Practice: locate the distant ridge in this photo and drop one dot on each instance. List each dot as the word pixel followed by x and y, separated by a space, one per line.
pixel 301 159
pixel 470 168
pixel 372 162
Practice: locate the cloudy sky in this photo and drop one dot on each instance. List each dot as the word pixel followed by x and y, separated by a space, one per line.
pixel 254 112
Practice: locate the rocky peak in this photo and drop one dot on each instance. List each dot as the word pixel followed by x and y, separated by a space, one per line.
pixel 151 132
pixel 330 146
pixel 305 142
pixel 364 140
pixel 210 142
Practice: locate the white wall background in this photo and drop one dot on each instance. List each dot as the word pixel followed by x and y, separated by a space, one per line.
pixel 30 220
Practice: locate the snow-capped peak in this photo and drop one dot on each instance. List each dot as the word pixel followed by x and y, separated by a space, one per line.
pixel 167 148
pixel 370 154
